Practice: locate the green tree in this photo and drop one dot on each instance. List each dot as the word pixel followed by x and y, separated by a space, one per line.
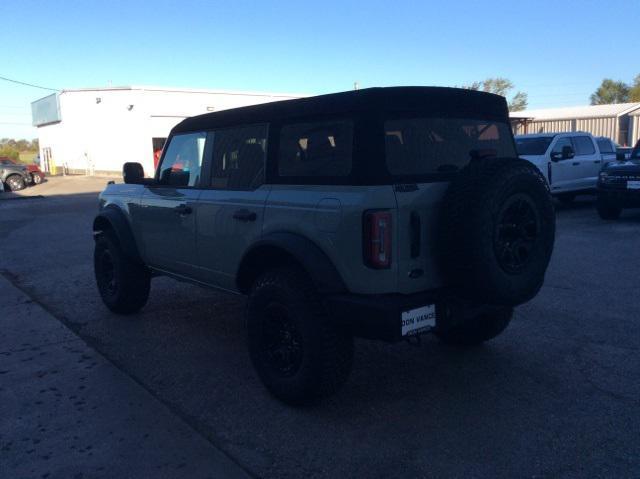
pixel 9 151
pixel 23 145
pixel 610 91
pixel 502 86
pixel 519 102
pixel 634 92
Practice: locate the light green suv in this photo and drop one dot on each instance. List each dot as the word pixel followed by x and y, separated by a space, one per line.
pixel 382 213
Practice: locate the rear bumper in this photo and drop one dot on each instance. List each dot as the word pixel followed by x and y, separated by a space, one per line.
pixel 380 316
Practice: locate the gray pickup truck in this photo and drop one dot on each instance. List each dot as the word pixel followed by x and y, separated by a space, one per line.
pixel 13 176
pixel 382 213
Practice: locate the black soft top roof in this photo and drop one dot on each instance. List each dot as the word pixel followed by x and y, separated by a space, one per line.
pixel 430 101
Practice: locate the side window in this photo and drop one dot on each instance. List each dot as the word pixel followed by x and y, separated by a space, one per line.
pixel 605 146
pixel 182 162
pixel 239 157
pixel 583 145
pixel 322 148
pixel 562 142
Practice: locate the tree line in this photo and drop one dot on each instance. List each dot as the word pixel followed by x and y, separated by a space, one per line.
pixel 611 91
pixel 502 86
pixel 12 148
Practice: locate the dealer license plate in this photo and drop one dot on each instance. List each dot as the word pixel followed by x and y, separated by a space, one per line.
pixel 418 320
pixel 633 185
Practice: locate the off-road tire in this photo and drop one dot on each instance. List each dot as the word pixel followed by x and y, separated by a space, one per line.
pixel 123 283
pixel 479 216
pixel 479 329
pixel 15 183
pixel 36 179
pixel 320 354
pixel 607 209
pixel 566 198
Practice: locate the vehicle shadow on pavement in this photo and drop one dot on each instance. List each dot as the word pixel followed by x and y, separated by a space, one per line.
pixel 509 405
pixel 580 203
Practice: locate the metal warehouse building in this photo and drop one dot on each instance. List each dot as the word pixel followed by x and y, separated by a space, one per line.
pixel 620 122
pixel 96 130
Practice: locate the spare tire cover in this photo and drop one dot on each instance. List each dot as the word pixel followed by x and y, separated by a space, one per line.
pixel 496 231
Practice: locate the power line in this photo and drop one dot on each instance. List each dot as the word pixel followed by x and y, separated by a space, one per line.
pixel 27 84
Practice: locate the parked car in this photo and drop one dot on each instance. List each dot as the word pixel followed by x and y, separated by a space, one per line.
pixel 382 213
pixel 619 186
pixel 14 176
pixel 36 176
pixel 570 162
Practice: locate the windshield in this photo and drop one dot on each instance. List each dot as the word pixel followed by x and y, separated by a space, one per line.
pixel 533 146
pixel 419 146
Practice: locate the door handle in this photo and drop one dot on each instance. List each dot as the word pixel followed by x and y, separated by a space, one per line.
pixel 597 161
pixel 244 215
pixel 183 210
pixel 576 163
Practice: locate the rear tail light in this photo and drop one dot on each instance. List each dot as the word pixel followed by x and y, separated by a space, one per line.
pixel 377 239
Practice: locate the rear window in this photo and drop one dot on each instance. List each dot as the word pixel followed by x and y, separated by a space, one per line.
pixel 605 146
pixel 533 146
pixel 420 146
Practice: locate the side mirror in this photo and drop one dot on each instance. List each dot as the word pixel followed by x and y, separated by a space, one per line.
pixel 621 156
pixel 133 173
pixel 567 152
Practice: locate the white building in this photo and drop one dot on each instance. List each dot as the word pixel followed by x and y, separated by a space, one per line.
pixel 620 122
pixel 96 130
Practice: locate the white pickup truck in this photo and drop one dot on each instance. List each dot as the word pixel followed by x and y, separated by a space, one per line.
pixel 570 162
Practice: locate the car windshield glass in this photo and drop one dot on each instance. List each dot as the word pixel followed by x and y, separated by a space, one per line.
pixel 419 146
pixel 533 146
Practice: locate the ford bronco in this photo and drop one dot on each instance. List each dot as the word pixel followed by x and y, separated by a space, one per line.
pixel 619 186
pixel 382 213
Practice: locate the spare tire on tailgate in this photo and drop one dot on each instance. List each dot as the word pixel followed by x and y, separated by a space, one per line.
pixel 496 231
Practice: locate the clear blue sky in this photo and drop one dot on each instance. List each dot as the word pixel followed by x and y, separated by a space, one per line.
pixel 556 51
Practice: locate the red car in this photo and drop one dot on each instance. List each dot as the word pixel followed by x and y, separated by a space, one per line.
pixel 37 176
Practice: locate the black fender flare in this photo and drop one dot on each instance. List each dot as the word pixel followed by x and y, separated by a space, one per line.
pixel 276 247
pixel 113 219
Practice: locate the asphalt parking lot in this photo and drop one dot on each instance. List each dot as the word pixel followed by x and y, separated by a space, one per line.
pixel 557 395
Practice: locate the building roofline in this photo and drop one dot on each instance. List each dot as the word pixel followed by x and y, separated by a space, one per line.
pixel 186 90
pixel 579 112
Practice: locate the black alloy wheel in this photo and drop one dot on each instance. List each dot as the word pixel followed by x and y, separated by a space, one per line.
pixel 516 233
pixel 282 342
pixel 106 273
pixel 122 282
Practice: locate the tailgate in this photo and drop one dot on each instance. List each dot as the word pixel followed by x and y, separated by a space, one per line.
pixel 418 206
